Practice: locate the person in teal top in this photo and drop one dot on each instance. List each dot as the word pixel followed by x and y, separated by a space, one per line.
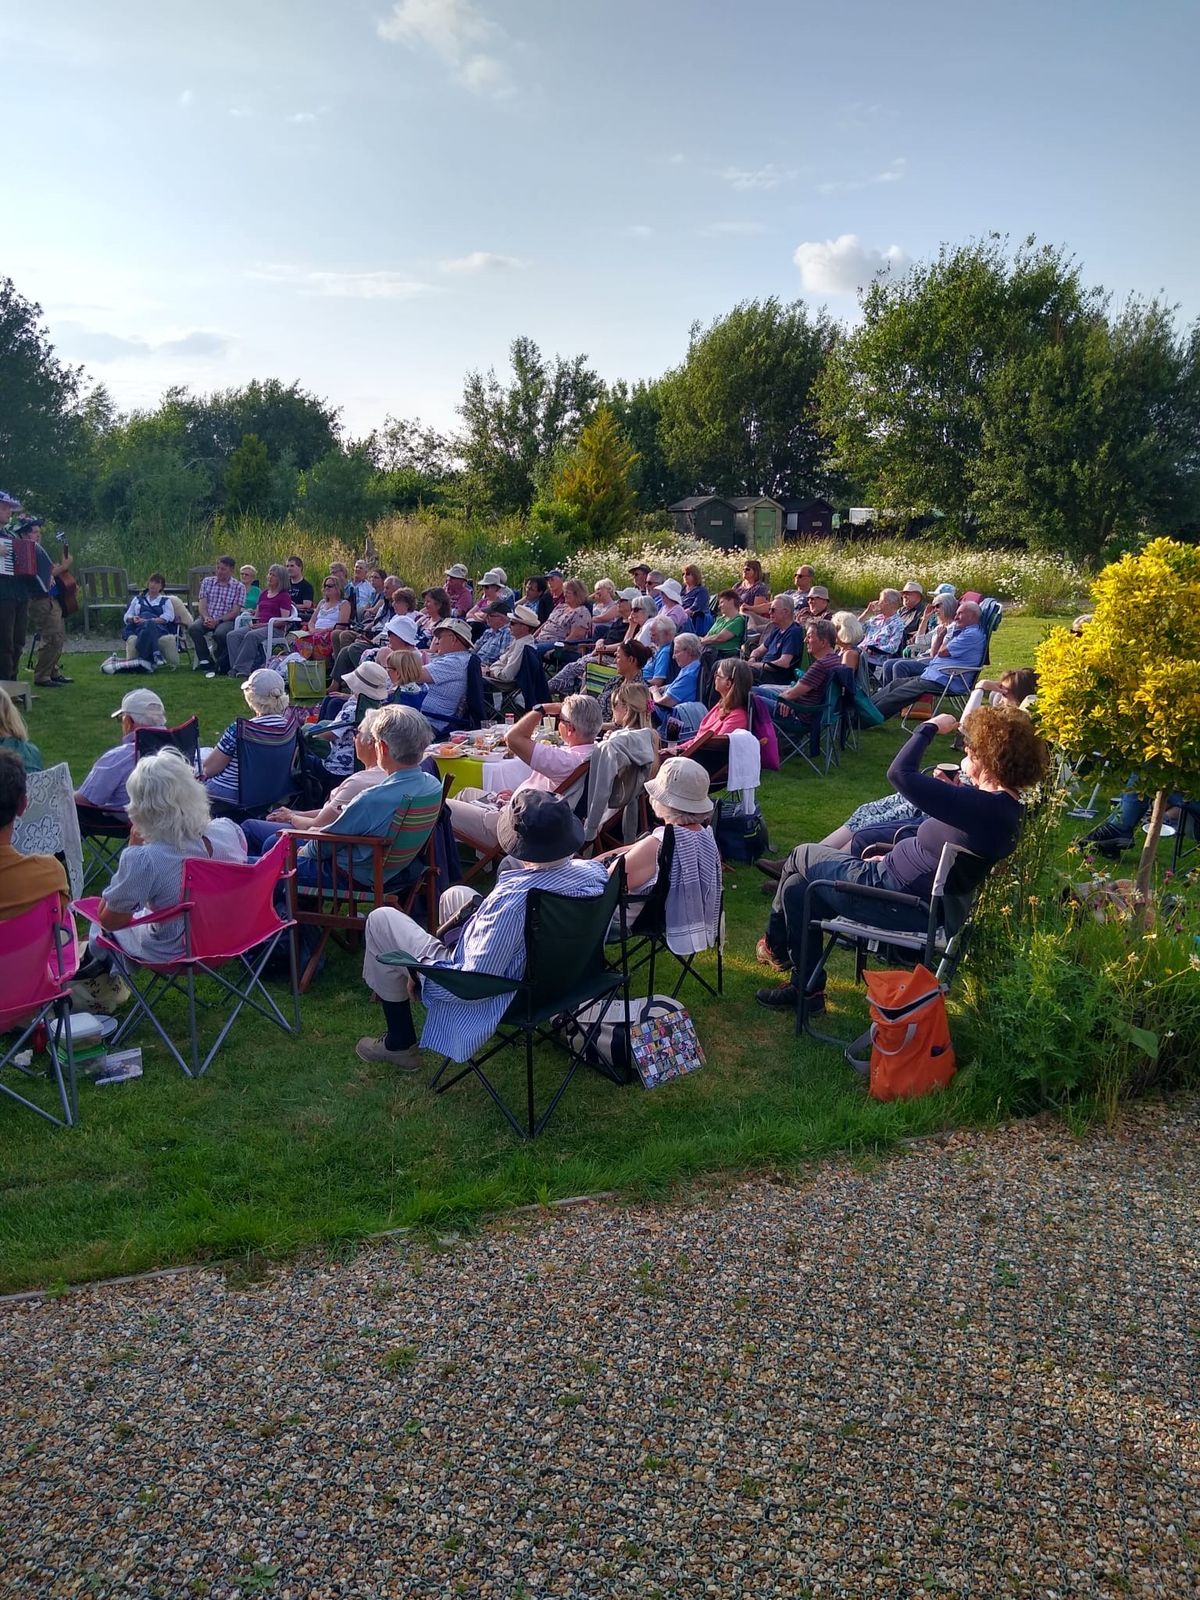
pixel 728 631
pixel 14 735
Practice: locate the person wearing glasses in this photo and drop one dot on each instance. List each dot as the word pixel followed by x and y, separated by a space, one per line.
pixel 475 813
pixel 315 640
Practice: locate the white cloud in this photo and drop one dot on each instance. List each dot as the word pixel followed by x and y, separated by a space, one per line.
pixel 676 160
pixel 715 230
pixel 93 344
pixel 186 98
pixel 892 173
pixel 483 261
pixel 457 32
pixel 308 116
pixel 240 112
pixel 640 230
pixel 344 285
pixel 768 177
pixel 842 265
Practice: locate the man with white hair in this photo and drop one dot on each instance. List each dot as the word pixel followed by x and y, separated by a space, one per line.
pixel 542 836
pixel 475 813
pixel 883 637
pixel 104 786
pixel 954 667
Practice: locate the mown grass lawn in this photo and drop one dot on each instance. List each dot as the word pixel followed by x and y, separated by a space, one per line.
pixel 294 1141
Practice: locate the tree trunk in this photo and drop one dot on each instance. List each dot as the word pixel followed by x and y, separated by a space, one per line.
pixel 1145 872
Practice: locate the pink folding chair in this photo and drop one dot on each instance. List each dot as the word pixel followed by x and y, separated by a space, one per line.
pixel 229 920
pixel 38 958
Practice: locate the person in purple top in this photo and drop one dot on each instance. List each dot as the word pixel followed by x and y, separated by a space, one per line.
pixel 1005 756
pixel 954 667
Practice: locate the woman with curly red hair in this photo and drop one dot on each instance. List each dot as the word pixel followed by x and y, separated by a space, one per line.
pixel 1005 757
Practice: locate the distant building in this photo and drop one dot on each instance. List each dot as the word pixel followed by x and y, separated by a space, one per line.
pixel 706 516
pixel 807 519
pixel 759 520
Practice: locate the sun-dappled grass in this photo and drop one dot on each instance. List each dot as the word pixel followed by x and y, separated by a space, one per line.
pixel 291 1141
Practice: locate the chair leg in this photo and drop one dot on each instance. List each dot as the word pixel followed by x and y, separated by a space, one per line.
pixel 314 961
pixel 529 1082
pixel 193 1029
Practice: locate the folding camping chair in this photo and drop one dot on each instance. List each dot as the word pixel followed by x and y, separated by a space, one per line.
pixel 49 825
pixel 815 733
pixel 38 957
pixel 338 904
pixel 103 835
pixel 565 971
pixel 991 614
pixel 650 934
pixel 529 688
pixel 938 944
pixel 185 738
pixel 229 921
pixel 266 758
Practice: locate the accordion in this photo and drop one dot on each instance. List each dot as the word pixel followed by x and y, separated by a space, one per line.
pixel 19 558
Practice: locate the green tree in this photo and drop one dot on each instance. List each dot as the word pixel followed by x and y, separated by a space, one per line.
pixel 1128 686
pixel 514 430
pixel 738 417
pixel 40 427
pixel 594 480
pixel 638 410
pixel 997 390
pixel 248 476
pixel 341 493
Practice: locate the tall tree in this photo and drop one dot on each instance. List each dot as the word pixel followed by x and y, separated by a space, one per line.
pixel 40 428
pixel 594 480
pixel 996 389
pixel 738 417
pixel 638 410
pixel 513 430
pixel 248 476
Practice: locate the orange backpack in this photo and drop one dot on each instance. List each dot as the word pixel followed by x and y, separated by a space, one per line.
pixel 909 1036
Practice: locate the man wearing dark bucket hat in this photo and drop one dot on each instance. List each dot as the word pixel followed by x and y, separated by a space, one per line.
pixel 542 835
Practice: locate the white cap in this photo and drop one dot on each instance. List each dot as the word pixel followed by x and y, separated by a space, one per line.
pixel 403 628
pixel 144 707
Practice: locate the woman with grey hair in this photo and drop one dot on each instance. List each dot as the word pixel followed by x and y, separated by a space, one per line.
pixel 246 645
pixel 266 695
pixel 170 823
pixel 661 669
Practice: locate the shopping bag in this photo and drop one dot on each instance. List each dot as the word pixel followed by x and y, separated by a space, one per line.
pixel 306 680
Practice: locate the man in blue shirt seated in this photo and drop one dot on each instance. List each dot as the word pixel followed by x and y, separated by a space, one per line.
pixel 104 786
pixel 496 636
pixel 542 835
pixel 446 673
pixel 954 667
pixel 401 739
pixel 777 655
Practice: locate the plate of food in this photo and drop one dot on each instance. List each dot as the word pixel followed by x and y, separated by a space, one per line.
pixel 448 752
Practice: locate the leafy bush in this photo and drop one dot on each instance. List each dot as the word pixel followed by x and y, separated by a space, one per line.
pixel 1062 1009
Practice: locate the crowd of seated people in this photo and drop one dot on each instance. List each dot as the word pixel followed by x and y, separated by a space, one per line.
pixel 661 670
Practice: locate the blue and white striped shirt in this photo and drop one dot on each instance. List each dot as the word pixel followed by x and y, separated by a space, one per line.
pixel 494 941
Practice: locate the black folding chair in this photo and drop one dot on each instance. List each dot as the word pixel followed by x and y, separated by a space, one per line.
pixel 185 738
pixel 932 931
pixel 647 937
pixel 565 971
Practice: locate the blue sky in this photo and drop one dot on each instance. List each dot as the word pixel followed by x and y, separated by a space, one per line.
pixel 373 197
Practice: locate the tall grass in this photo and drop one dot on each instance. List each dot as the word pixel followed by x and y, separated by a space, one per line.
pixel 419 547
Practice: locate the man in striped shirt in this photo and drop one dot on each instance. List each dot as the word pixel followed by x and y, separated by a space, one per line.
pixel 541 834
pixel 221 600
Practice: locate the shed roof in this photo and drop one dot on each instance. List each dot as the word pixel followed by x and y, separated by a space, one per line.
pixel 693 502
pixel 743 502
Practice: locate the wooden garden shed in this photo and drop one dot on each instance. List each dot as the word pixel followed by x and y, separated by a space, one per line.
pixel 707 516
pixel 807 519
pixel 759 520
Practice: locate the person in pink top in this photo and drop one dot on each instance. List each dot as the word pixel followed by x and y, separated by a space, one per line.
pixel 670 593
pixel 733 682
pixel 246 645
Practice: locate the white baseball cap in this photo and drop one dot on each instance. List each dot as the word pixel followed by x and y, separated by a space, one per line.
pixel 144 707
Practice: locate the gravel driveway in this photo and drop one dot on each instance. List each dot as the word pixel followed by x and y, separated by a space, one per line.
pixel 964 1371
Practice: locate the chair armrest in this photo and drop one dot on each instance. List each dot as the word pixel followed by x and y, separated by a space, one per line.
pixel 463 985
pixel 869 891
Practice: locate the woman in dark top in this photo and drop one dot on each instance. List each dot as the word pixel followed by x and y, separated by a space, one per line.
pixel 1005 756
pixel 696 600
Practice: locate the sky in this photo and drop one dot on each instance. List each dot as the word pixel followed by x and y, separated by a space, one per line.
pixel 372 198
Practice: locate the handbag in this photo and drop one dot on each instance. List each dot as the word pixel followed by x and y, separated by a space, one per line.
pixel 741 836
pixel 306 680
pixel 909 1036
pixel 652 1021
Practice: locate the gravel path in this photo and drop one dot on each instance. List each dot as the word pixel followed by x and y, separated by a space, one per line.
pixel 964 1371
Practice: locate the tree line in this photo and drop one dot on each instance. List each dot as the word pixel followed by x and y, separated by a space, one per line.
pixel 989 389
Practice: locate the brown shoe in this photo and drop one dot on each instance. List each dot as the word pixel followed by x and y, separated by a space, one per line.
pixel 409 1060
pixel 767 957
pixel 770 869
